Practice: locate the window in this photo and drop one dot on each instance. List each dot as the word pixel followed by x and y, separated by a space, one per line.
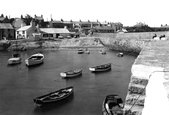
pixel 17 32
pixel 45 35
pixel 50 35
pixel 23 32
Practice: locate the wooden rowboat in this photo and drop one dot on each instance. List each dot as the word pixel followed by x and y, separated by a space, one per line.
pixel 54 96
pixel 80 51
pixel 120 54
pixel 100 68
pixel 102 51
pixel 15 59
pixel 71 73
pixel 112 105
pixel 35 59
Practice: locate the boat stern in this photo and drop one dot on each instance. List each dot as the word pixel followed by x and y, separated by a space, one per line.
pixel 92 69
pixel 63 74
pixel 27 62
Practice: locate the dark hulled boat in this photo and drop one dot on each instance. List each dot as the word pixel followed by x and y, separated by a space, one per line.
pixel 54 96
pixel 112 105
pixel 80 51
pixel 71 73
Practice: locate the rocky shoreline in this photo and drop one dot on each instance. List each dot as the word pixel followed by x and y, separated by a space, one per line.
pixel 130 46
pixel 64 44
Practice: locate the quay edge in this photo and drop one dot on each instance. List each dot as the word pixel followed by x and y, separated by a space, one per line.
pixel 148 89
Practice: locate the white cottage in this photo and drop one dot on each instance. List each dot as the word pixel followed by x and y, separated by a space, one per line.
pixel 26 32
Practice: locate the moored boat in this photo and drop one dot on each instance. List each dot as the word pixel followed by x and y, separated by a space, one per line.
pixel 120 54
pixel 100 68
pixel 71 73
pixel 35 59
pixel 112 105
pixel 87 52
pixel 54 96
pixel 102 51
pixel 80 51
pixel 15 59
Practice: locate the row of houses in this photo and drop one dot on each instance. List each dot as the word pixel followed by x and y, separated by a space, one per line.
pixel 33 31
pixel 55 29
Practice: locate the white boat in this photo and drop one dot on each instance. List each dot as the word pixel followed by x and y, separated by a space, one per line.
pixel 15 59
pixel 35 59
pixel 71 73
pixel 87 52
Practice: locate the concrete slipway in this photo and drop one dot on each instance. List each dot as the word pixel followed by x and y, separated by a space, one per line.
pixel 148 90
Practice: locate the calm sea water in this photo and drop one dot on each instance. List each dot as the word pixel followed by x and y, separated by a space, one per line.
pixel 19 85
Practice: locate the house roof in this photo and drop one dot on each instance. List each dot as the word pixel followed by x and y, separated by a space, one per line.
pixel 104 28
pixel 54 30
pixel 5 26
pixel 39 17
pixel 76 22
pixel 2 18
pixel 24 28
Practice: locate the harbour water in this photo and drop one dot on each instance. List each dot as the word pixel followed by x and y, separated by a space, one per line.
pixel 19 85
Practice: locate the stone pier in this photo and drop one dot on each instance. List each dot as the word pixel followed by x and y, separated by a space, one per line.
pixel 148 90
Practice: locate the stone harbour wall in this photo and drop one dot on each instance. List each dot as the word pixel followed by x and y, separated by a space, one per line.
pixel 152 59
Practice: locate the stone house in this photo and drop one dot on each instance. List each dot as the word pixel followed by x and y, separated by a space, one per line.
pixel 26 32
pixel 6 31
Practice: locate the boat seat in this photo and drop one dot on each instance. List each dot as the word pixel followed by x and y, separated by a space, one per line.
pixel 112 104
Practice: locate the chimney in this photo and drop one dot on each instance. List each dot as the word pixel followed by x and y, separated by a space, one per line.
pixel 38 29
pixel 65 27
pixel 22 25
pixel 32 23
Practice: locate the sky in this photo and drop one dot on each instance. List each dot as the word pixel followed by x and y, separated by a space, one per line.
pixel 128 12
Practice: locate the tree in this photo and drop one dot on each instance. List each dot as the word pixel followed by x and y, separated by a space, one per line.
pixel 6 17
pixel 2 15
pixel 21 16
pixel 28 19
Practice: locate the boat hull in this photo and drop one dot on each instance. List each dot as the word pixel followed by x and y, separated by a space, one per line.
pixel 40 102
pixel 80 52
pixel 102 52
pixel 13 61
pixel 66 75
pixel 115 108
pixel 39 58
pixel 33 62
pixel 120 54
pixel 96 69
